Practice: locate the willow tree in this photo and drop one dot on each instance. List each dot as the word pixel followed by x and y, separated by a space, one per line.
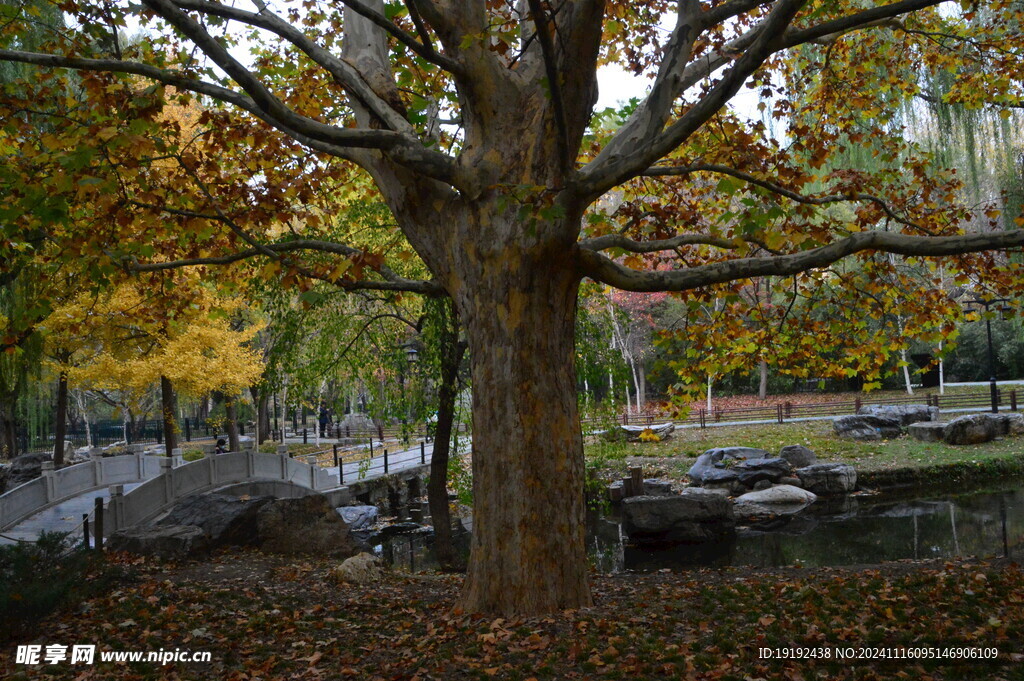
pixel 472 119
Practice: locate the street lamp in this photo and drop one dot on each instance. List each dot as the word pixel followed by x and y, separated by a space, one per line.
pixel 986 303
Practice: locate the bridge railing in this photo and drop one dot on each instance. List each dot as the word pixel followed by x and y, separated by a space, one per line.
pixel 55 486
pixel 151 498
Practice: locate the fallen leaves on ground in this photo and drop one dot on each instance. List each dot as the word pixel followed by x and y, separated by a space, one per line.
pixel 273 618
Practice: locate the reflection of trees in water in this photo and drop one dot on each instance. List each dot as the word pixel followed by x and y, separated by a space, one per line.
pixel 962 526
pixel 856 533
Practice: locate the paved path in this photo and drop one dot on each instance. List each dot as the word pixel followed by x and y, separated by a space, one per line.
pixel 63 517
pixel 67 515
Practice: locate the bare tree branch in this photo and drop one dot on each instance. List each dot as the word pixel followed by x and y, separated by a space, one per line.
pixel 669 171
pixel 606 241
pixel 605 270
pixel 392 282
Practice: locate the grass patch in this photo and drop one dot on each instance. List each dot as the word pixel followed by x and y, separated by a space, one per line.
pixel 686 444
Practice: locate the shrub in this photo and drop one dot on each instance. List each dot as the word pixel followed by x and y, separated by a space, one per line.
pixel 193 454
pixel 38 577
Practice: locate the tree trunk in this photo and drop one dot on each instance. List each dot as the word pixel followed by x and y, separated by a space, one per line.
pixel 8 429
pixel 231 410
pixel 528 551
pixel 762 388
pixel 60 421
pixel 167 409
pixel 260 399
pixel 437 488
pixel 451 352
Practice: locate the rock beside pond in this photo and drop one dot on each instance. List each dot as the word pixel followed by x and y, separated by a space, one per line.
pixel 798 456
pixel 716 465
pixel 225 520
pixel 927 431
pixel 163 541
pixel 303 525
pixel 777 500
pixel 752 471
pixel 694 516
pixel 905 414
pixel 359 517
pixel 826 479
pixel 866 427
pixel 972 429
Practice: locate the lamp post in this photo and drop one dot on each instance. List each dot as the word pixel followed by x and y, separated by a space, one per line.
pixel 412 355
pixel 986 303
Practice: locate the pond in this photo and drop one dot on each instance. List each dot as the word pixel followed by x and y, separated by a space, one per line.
pixel 849 531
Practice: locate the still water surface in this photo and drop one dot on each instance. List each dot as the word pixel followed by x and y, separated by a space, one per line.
pixel 850 531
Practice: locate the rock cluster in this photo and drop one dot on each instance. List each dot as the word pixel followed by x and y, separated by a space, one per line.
pixel 765 485
pixel 970 430
pixel 301 525
pixel 883 421
pixel 693 516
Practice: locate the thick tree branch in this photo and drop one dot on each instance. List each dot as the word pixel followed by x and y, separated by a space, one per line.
pixel 603 269
pixel 343 73
pixel 771 35
pixel 425 49
pixel 624 160
pixel 547 47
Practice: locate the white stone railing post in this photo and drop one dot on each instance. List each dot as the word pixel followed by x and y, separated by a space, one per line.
pixel 177 457
pixel 47 474
pixel 166 466
pixel 96 456
pixel 115 509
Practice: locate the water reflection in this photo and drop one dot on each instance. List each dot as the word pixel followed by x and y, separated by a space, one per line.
pixel 848 531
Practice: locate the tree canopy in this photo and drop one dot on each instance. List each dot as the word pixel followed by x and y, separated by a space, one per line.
pixel 475 123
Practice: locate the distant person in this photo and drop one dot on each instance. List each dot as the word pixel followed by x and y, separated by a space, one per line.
pixel 221 447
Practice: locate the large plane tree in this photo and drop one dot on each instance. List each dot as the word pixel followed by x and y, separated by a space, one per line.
pixel 475 121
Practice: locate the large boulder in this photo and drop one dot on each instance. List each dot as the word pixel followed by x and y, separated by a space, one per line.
pixel 304 525
pixel 26 467
pixel 1015 424
pixel 972 429
pixel 777 500
pixel 904 413
pixel 798 456
pixel 716 465
pixel 927 431
pixel 163 541
pixel 224 519
pixel 866 427
pixel 752 471
pixel 694 516
pixel 359 517
pixel 364 568
pixel 825 479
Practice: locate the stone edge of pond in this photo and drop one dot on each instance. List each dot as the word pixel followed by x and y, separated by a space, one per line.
pixel 947 475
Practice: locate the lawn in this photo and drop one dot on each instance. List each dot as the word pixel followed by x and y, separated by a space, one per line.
pixel 675 455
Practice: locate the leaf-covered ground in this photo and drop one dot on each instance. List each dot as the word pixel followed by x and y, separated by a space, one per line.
pixel 272 618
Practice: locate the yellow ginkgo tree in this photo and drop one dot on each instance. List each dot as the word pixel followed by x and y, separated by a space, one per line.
pixel 137 336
